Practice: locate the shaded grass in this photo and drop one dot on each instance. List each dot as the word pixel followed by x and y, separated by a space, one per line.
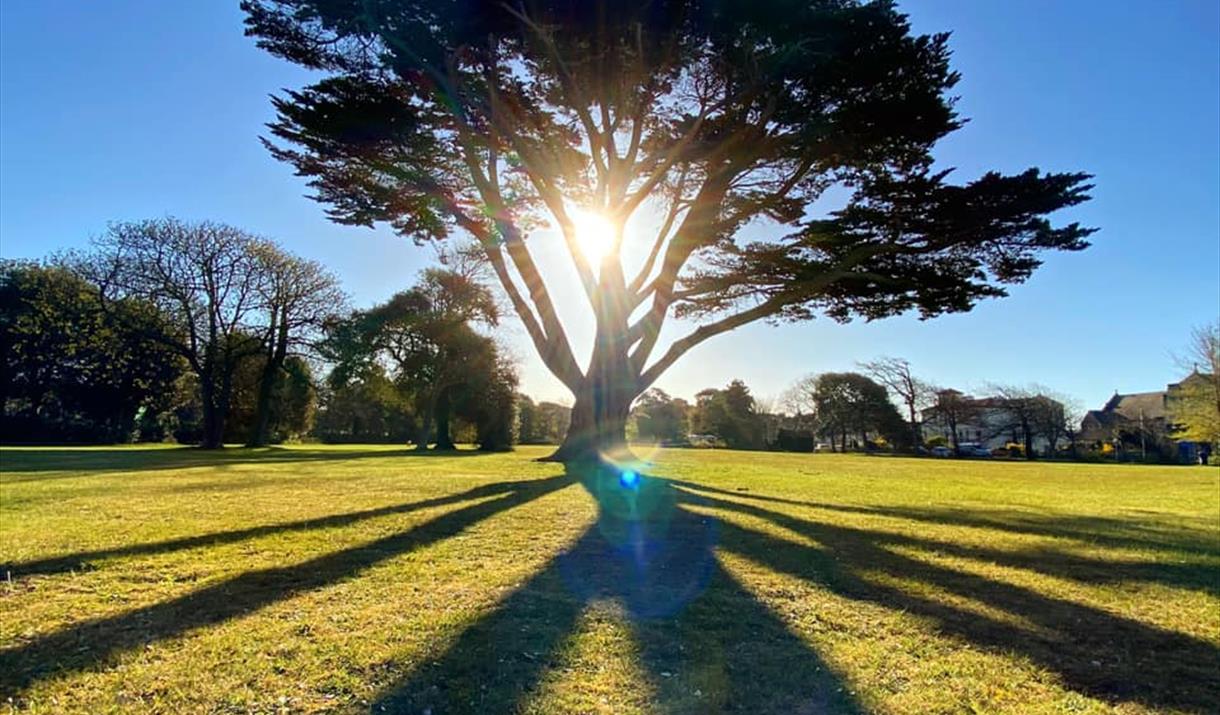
pixel 349 579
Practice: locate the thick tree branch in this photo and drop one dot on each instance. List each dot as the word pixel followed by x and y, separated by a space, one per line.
pixel 703 332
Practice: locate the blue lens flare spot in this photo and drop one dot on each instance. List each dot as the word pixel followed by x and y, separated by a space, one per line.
pixel 628 479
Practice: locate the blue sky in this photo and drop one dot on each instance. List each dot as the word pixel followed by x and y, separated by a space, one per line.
pixel 125 110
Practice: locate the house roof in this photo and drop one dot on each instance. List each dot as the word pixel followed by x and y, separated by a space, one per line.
pixel 1145 405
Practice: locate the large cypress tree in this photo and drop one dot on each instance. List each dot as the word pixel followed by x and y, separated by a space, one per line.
pixel 493 118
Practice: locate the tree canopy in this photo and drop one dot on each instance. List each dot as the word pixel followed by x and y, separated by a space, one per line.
pixel 728 120
pixel 423 339
pixel 71 370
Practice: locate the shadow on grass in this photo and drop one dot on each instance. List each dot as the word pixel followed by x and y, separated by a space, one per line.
pixel 83 560
pixel 17 462
pixel 96 642
pixel 704 642
pixel 1117 532
pixel 1104 655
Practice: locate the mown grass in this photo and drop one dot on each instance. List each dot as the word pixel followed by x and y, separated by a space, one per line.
pixel 350 579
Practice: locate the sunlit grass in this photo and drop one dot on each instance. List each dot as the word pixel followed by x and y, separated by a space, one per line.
pixel 344 579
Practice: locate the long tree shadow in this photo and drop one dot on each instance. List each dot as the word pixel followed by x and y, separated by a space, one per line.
pixel 1107 656
pixel 34 462
pixel 1108 531
pixel 705 643
pixel 98 641
pixel 1197 574
pixel 83 560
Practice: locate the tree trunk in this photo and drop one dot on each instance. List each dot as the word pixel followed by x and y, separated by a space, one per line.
pixel 443 439
pixel 425 432
pixel 424 435
pixel 213 417
pixel 598 431
pixel 916 431
pixel 266 385
pixel 262 420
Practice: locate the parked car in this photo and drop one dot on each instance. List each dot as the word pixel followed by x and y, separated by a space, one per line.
pixel 971 449
pixel 706 441
pixel 942 451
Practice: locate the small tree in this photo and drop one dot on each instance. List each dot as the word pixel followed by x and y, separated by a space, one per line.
pixel 850 404
pixel 914 394
pixel 952 409
pixel 1030 413
pixel 730 414
pixel 493 119
pixel 424 338
pixel 661 418
pixel 1056 418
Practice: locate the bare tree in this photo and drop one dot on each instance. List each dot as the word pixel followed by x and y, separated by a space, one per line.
pixel 1030 413
pixel 952 409
pixel 208 277
pixel 798 400
pixel 915 394
pixel 297 297
pixel 1073 416
pixel 1055 418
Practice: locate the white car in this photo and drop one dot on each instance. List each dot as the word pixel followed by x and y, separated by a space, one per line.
pixel 973 450
pixel 941 451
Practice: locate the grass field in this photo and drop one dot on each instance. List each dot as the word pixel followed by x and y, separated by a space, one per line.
pixel 351 579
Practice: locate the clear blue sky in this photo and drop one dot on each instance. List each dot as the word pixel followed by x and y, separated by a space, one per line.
pixel 124 110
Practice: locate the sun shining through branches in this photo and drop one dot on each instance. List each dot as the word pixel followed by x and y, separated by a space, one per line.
pixel 482 118
pixel 595 234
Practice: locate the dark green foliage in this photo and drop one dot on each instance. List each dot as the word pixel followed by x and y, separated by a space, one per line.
pixel 661 418
pixel 730 414
pixel 293 401
pixel 490 405
pixel 850 406
pixel 75 370
pixel 368 409
pixel 903 243
pixel 541 423
pixel 793 440
pixel 424 342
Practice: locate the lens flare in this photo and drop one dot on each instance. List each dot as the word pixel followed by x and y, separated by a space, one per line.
pixel 594 232
pixel 648 552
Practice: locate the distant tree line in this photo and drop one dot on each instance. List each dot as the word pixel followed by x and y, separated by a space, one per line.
pixel 206 334
pixel 162 328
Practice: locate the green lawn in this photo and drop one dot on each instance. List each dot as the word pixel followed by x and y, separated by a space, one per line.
pixel 354 578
